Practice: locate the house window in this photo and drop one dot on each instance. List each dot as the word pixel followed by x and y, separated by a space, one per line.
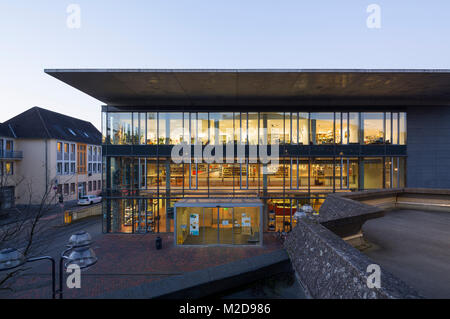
pixel 9 146
pixel 95 185
pixel 60 189
pixel 72 168
pixel 66 189
pixel 66 168
pixel 59 147
pixel 90 186
pixel 72 188
pixel 99 184
pixel 81 149
pixel 59 168
pixel 9 168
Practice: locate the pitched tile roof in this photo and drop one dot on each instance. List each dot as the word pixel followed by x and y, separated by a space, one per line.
pixel 5 131
pixel 40 123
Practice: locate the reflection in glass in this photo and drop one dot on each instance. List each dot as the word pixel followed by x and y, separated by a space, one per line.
pixel 373 128
pixel 322 128
pixel 388 129
pixel 402 128
pixel 394 128
pixel 354 128
pixel 303 131
pixel 121 124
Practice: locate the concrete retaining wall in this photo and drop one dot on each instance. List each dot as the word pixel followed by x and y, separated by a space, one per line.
pixel 328 267
pixel 80 213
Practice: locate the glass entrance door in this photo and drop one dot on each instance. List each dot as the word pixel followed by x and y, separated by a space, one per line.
pixel 225 218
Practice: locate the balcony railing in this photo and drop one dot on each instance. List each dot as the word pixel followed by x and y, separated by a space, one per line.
pixel 11 154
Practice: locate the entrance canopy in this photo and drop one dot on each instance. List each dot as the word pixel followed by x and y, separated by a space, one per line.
pixel 219 222
pixel 263 87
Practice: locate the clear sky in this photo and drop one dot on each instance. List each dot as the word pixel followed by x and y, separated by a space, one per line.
pixel 205 34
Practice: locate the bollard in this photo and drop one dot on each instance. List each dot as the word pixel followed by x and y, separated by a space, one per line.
pixel 158 243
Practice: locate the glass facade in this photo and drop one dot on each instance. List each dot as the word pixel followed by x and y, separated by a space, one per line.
pixel 225 225
pixel 320 153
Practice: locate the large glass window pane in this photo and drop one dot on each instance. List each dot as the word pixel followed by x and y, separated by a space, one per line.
pixel 399 165
pixel 388 172
pixel 321 173
pixel 191 226
pixel 353 174
pixel 322 128
pixel 105 130
pixel 402 128
pixel 338 128
pixel 253 128
pixel 246 225
pixel 194 128
pixel 202 175
pixel 152 174
pixel 373 128
pixel 226 225
pixel 152 125
pixel 275 127
pixel 388 129
pixel 225 124
pixel 373 173
pixel 176 176
pixel 163 128
pixel 294 128
pixel 287 128
pixel 186 128
pixel 253 176
pixel 175 128
pixel 345 133
pixel 202 128
pixel 121 124
pixel 394 128
pixel 354 128
pixel 243 128
pixel 303 128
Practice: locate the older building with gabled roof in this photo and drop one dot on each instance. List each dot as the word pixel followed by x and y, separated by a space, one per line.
pixel 51 153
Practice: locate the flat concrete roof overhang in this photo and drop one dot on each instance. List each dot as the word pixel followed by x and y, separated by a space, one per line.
pixel 262 87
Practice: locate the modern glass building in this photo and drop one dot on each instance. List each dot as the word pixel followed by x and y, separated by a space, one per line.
pixel 335 131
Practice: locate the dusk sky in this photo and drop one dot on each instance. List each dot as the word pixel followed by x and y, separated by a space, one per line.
pixel 205 34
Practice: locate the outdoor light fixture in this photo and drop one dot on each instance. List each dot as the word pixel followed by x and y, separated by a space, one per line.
pixel 79 253
pixel 11 258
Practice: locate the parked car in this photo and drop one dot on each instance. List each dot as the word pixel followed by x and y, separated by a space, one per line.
pixel 89 200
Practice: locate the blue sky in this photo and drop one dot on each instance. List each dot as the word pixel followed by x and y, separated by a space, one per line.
pixel 205 34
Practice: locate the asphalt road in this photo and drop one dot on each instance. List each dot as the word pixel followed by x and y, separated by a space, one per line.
pixel 414 246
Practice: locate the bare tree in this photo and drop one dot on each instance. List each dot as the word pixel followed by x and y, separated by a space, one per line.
pixel 23 226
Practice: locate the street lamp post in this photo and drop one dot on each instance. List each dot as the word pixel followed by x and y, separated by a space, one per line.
pixel 81 254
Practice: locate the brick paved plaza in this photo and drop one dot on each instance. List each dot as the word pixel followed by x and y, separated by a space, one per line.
pixel 126 261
